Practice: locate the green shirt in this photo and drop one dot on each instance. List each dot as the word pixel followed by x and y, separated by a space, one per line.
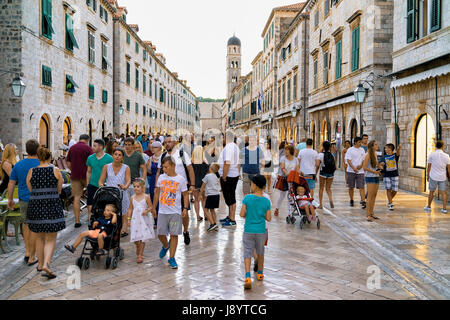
pixel 255 216
pixel 134 162
pixel 97 166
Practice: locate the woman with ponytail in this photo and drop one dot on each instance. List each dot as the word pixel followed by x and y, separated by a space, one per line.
pixel 373 173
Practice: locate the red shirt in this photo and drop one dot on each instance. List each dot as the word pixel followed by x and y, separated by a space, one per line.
pixel 77 156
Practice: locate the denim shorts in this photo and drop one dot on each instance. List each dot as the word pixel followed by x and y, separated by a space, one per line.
pixel 310 178
pixel 326 175
pixel 372 180
pixel 435 184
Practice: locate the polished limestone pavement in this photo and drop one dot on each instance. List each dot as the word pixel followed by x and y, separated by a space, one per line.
pixel 408 247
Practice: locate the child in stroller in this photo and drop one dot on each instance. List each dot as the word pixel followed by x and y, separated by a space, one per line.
pixel 101 228
pixel 304 203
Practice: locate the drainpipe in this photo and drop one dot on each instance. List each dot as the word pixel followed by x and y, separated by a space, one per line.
pixel 304 76
pixel 395 118
pixel 438 136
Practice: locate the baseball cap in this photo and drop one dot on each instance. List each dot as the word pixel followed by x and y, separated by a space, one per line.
pixel 259 180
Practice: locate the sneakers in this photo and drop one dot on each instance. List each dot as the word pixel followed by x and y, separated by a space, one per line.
pixel 163 252
pixel 213 227
pixel 352 203
pixel 309 218
pixel 187 239
pixel 390 206
pixel 225 220
pixel 173 263
pixel 363 204
pixel 444 211
pixel 427 208
pixel 259 276
pixel 248 283
pixel 229 223
pixel 77 225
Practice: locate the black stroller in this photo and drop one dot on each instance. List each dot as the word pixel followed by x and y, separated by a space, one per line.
pixel 103 197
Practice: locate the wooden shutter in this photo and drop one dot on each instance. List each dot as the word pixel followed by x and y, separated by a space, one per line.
pixel 105 96
pixel 435 15
pixel 338 59
pixel 355 49
pixel 411 21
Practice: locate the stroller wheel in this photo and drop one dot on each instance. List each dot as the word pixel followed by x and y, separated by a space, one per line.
pixel 117 252
pixel 304 219
pixel 293 220
pixel 318 223
pixel 107 262
pixel 86 263
pixel 79 262
pixel 114 263
pixel 288 220
pixel 122 254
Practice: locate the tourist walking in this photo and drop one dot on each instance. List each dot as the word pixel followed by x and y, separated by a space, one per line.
pixel 9 159
pixel 373 173
pixel 308 166
pixel 256 211
pixel 390 172
pixel 76 160
pixel 152 168
pixel 229 177
pixel 201 167
pixel 111 145
pixel 117 175
pixel 19 175
pixel 172 194
pixel 210 190
pixel 252 160
pixel 438 171
pixel 288 163
pixel 327 164
pixel 138 148
pixel 135 161
pixel 268 164
pixel 365 142
pixel 347 145
pixel 45 216
pixel 95 163
pixel 355 173
pixel 183 167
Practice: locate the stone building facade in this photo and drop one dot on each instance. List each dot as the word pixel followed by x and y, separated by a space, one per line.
pixel 420 86
pixel 210 115
pixel 62 51
pixel 350 42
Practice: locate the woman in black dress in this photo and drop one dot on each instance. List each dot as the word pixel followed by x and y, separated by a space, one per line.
pixel 201 167
pixel 45 215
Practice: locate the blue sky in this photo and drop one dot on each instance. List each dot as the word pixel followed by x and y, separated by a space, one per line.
pixel 193 35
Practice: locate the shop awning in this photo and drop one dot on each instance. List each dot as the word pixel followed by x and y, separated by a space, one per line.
pixel 333 103
pixel 432 73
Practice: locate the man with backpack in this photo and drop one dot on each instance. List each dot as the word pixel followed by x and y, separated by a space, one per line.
pixel 183 167
pixel 327 164
pixel 308 168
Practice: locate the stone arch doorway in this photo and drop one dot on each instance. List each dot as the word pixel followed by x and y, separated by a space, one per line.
pixel 424 143
pixel 44 131
pixel 90 131
pixel 312 133
pixel 353 130
pixel 128 129
pixel 67 129
pixel 103 129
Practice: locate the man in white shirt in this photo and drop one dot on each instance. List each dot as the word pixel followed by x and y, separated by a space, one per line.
pixel 355 172
pixel 437 170
pixel 181 159
pixel 229 177
pixel 71 141
pixel 308 168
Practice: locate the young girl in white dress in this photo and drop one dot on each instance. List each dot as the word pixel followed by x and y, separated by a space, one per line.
pixel 141 228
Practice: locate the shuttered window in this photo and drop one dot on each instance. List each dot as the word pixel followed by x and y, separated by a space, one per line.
pixel 411 21
pixel 435 15
pixel 91 92
pixel 91 44
pixel 325 67
pixel 128 38
pixel 294 90
pixel 150 85
pixel 137 79
pixel 46 76
pixel 144 83
pixel 128 73
pixel 128 105
pixel 104 96
pixel 70 37
pixel 315 74
pixel 355 49
pixel 338 59
pixel 137 108
pixel 46 25
pixel 327 7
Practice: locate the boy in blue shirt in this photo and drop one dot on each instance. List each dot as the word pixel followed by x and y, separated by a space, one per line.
pixel 390 172
pixel 256 211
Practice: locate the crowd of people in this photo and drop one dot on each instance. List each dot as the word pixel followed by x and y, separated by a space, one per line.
pixel 160 176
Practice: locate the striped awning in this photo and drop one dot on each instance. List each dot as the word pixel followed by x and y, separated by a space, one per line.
pixel 432 73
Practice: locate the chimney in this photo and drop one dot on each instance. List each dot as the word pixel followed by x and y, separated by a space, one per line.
pixel 175 74
pixel 135 27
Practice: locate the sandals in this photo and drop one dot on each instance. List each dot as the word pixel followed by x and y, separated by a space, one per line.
pixel 70 248
pixel 32 263
pixel 49 274
pixel 200 219
pixel 123 234
pixel 140 259
pixel 375 217
pixel 369 218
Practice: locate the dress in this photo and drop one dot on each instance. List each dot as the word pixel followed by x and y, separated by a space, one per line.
pixel 141 227
pixel 5 181
pixel 200 171
pixel 113 180
pixel 45 211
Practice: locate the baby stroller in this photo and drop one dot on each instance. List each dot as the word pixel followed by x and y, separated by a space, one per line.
pixel 294 181
pixel 103 197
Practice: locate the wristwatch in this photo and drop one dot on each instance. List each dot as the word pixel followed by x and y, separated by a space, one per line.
pixel 186 209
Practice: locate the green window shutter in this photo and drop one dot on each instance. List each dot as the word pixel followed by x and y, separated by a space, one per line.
pixel 137 47
pixel 46 76
pixel 46 26
pixel 70 38
pixel 339 59
pixel 128 73
pixel 137 108
pixel 128 105
pixel 144 84
pixel 161 95
pixel 70 84
pixel 128 38
pixel 411 21
pixel 150 85
pixel 137 79
pixel 91 92
pixel 325 68
pixel 315 74
pixel 355 49
pixel 435 15
pixel 104 96
pixel 327 6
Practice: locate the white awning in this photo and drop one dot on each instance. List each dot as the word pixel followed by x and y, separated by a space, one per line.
pixel 332 103
pixel 439 71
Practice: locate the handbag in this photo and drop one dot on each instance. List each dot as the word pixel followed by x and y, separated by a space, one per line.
pixel 268 164
pixel 282 183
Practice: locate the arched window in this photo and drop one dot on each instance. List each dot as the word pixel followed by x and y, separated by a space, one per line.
pixel 353 130
pixel 103 129
pixel 237 64
pixel 323 131
pixel 90 131
pixel 67 129
pixel 424 137
pixel 234 49
pixel 44 131
pixel 128 129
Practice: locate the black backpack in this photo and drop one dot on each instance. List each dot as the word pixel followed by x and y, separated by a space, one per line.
pixel 181 153
pixel 330 164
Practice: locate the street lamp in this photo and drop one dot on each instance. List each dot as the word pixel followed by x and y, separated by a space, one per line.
pixel 360 94
pixel 18 86
pixel 121 110
pixel 296 109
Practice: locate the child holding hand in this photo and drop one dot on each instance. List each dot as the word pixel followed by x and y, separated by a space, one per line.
pixel 141 228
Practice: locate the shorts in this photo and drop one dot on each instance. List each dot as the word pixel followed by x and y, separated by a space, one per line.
pixel 354 179
pixel 78 187
pixel 310 178
pixel 212 202
pixel 326 175
pixel 391 183
pixel 23 205
pixel 434 184
pixel 94 234
pixel 372 180
pixel 246 183
pixel 90 194
pixel 229 189
pixel 169 224
pixel 254 241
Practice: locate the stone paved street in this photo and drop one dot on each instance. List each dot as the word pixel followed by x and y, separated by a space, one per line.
pixel 410 247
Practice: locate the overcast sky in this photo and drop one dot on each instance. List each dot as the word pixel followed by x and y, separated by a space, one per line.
pixel 193 35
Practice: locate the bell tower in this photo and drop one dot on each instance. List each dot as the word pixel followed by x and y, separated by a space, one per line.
pixel 233 63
